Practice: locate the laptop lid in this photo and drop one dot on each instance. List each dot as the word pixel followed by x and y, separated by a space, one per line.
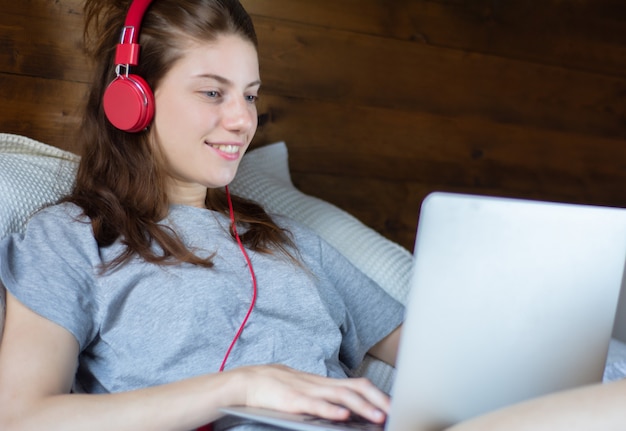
pixel 510 299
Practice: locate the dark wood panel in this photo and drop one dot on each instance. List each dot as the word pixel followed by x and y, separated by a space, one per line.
pixel 328 65
pixel 57 10
pixel 43 39
pixel 582 34
pixel 461 152
pixel 586 34
pixel 43 109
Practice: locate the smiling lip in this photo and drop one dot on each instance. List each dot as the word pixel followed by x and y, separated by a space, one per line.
pixel 229 151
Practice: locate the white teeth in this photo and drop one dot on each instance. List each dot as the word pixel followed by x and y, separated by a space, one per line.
pixel 227 148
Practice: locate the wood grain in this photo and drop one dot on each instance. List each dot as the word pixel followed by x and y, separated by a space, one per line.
pixel 43 109
pixel 363 70
pixel 584 34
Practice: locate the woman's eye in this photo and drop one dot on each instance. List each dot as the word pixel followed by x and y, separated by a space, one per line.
pixel 212 94
pixel 252 98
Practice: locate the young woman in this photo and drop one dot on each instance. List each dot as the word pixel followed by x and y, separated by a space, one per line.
pixel 149 298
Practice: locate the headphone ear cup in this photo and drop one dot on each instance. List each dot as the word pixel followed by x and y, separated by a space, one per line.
pixel 129 103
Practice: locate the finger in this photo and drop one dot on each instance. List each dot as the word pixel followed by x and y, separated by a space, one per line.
pixel 320 407
pixel 371 393
pixel 367 390
pixel 358 395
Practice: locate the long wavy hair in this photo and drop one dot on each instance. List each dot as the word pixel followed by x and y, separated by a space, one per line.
pixel 120 183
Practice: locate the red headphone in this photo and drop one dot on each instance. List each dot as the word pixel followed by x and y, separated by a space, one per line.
pixel 128 100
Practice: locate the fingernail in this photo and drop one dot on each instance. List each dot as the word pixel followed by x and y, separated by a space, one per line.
pixel 343 410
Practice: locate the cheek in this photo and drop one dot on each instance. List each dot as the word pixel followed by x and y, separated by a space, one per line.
pixel 255 121
pixel 167 115
pixel 179 117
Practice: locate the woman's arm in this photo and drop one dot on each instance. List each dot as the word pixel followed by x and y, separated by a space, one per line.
pixel 2 308
pixel 387 349
pixel 590 408
pixel 38 361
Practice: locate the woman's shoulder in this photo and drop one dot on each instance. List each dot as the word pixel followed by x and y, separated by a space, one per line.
pixel 54 235
pixel 62 209
pixel 65 215
pixel 299 231
pixel 309 242
pixel 61 224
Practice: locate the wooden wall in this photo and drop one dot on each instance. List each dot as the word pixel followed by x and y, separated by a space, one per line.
pixel 381 102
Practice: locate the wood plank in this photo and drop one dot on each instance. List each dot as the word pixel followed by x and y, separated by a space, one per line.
pixel 53 10
pixel 42 109
pixel 43 39
pixel 457 152
pixel 324 64
pixel 586 34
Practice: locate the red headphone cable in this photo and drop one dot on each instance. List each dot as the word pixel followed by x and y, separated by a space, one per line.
pixel 252 275
pixel 209 427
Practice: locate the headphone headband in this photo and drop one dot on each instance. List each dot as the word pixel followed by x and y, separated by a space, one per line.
pixel 127 51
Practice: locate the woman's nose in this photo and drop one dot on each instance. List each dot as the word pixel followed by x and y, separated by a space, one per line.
pixel 239 115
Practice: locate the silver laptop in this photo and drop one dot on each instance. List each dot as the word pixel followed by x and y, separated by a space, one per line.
pixel 510 299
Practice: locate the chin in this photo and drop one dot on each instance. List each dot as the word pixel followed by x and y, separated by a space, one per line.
pixel 219 183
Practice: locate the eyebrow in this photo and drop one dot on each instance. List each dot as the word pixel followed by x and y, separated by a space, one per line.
pixel 223 80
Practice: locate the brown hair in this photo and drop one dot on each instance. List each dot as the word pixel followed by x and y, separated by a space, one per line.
pixel 121 178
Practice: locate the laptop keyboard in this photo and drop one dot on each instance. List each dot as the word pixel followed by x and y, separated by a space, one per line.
pixel 353 423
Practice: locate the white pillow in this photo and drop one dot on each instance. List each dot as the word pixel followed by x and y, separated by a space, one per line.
pixel 32 174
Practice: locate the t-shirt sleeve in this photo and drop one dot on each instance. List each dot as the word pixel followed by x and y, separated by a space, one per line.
pixel 50 269
pixel 369 313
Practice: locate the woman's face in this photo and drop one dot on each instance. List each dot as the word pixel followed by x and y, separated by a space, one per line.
pixel 205 116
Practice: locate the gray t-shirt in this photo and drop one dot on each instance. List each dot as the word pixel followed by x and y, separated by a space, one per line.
pixel 144 324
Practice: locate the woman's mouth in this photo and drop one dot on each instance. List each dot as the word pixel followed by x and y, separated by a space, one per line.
pixel 230 152
pixel 226 148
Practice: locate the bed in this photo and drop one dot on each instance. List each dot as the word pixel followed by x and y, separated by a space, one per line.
pixel 33 174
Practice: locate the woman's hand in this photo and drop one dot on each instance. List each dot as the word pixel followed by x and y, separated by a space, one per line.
pixel 281 388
